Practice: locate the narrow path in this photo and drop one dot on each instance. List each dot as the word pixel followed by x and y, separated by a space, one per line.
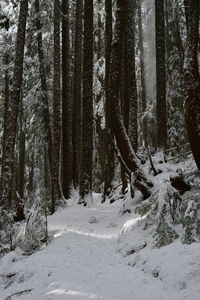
pixel 80 263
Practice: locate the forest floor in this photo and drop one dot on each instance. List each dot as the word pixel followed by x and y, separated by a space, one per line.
pixel 88 258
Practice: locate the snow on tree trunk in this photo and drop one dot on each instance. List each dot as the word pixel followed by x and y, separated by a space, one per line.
pixel 43 79
pixel 11 121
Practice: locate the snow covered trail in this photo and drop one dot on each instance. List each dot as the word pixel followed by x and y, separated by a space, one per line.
pixel 82 262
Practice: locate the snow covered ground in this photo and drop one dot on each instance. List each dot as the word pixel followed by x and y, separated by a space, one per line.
pixel 97 253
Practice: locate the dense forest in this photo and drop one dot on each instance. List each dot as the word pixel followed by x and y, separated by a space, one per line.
pixel 99 98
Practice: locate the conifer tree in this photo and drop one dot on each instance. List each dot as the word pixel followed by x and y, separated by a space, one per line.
pixel 192 80
pixel 67 153
pixel 87 106
pixel 12 115
pixel 160 75
pixel 77 84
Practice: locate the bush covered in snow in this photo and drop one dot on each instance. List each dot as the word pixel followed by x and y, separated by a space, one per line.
pixel 35 231
pixel 7 231
pixel 175 216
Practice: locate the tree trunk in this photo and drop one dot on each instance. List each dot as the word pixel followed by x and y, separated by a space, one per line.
pixel 87 108
pixel 186 4
pixel 6 91
pixel 130 70
pixel 67 153
pixel 160 75
pixel 76 120
pixel 123 142
pixel 109 141
pixel 129 88
pixel 142 67
pixel 46 113
pixel 11 125
pixel 192 81
pixel 175 84
pixel 31 173
pixel 21 170
pixel 125 103
pixel 56 109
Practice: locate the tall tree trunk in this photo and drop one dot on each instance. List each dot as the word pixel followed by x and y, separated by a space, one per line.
pixel 129 84
pixel 160 75
pixel 21 169
pixel 175 84
pixel 67 153
pixel 192 81
pixel 123 142
pixel 11 124
pixel 125 102
pixel 99 26
pixel 87 109
pixel 76 120
pixel 109 141
pixel 6 90
pixel 132 88
pixel 142 67
pixel 31 173
pixel 46 113
pixel 186 4
pixel 56 109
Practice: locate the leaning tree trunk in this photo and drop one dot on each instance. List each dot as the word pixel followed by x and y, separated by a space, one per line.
pixel 67 153
pixel 76 119
pixel 192 81
pixel 160 75
pixel 12 115
pixel 123 142
pixel 87 107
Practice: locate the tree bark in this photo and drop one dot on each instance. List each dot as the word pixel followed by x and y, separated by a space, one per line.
pixel 47 122
pixel 125 103
pixel 192 81
pixel 76 120
pixel 186 4
pixel 21 170
pixel 87 108
pixel 6 91
pixel 56 109
pixel 142 68
pixel 109 141
pixel 11 124
pixel 67 153
pixel 131 74
pixel 160 75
